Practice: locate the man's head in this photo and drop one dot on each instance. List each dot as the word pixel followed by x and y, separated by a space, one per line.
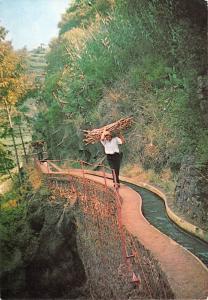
pixel 108 136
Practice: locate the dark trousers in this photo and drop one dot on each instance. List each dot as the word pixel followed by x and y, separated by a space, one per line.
pixel 40 155
pixel 114 161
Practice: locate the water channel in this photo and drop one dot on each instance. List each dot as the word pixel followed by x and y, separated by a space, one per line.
pixel 153 208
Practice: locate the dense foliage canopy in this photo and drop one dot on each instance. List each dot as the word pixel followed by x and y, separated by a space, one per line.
pixel 14 85
pixel 119 58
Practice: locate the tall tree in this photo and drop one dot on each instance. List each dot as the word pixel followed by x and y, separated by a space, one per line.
pixel 13 83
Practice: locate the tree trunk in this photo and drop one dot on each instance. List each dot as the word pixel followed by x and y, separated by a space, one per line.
pixel 23 144
pixel 14 143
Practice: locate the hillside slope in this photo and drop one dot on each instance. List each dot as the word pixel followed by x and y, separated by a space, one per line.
pixel 120 58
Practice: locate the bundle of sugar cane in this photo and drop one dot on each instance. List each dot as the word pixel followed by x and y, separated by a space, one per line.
pixel 93 136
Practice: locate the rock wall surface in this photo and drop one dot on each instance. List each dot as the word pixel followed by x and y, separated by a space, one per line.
pixel 192 186
pixel 191 194
pixel 46 263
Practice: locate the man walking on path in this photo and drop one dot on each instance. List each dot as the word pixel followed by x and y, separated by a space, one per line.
pixel 114 156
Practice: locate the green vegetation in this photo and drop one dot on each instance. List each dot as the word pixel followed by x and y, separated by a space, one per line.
pixel 119 58
pixel 13 207
pixel 6 162
pixel 15 87
pixel 112 58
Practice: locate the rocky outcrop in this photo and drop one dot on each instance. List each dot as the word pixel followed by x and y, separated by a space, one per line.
pixel 46 263
pixel 202 93
pixel 191 194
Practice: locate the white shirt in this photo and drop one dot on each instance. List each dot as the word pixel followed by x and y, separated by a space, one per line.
pixel 111 146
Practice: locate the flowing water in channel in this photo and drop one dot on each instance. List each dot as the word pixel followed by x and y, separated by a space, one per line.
pixel 153 208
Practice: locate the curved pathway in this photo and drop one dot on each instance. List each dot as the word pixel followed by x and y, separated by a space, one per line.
pixel 193 229
pixel 187 275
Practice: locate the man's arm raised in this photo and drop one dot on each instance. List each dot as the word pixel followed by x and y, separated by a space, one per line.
pixel 122 138
pixel 103 134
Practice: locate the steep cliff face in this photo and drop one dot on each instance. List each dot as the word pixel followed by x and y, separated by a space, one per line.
pixel 192 192
pixel 203 97
pixel 192 186
pixel 46 262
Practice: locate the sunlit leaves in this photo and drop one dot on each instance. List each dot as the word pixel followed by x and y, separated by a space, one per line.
pixel 13 82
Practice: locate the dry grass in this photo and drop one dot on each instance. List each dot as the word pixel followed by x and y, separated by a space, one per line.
pixel 164 179
pixel 135 172
pixel 114 95
pixel 151 150
pixel 5 186
pixel 166 175
pixel 77 37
